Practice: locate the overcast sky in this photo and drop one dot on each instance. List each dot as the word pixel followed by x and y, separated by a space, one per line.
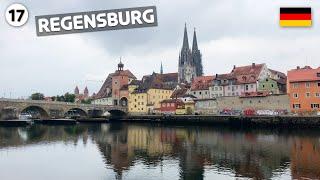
pixel 230 32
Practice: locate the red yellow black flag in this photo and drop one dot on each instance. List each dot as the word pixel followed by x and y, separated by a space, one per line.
pixel 295 17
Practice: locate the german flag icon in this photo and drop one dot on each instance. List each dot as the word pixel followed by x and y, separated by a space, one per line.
pixel 295 17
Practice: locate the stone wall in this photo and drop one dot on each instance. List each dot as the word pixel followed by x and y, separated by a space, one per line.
pixel 273 102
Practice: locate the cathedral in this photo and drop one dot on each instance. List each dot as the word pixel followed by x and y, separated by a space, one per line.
pixel 190 61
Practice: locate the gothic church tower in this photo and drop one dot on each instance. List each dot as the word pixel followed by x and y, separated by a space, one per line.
pixel 190 62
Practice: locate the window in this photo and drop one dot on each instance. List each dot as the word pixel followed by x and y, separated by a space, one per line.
pixel 307 84
pixel 318 84
pixel 317 94
pixel 295 95
pixel 315 106
pixel 307 94
pixel 263 86
pixel 200 93
pixel 296 106
pixel 318 74
pixel 251 86
pixel 295 85
pixel 271 85
pixel 247 87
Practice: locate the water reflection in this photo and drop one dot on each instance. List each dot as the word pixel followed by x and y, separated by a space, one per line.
pixel 143 151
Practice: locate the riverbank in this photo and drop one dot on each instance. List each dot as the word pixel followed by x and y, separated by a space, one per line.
pixel 273 121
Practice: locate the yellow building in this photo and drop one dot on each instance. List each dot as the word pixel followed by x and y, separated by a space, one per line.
pixel 187 108
pixel 145 96
pixel 147 101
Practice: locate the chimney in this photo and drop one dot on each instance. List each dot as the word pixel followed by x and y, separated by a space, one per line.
pixel 298 67
pixel 253 65
pixel 216 75
pixel 234 66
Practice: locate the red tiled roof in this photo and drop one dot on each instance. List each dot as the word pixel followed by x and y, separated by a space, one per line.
pixel 124 73
pixel 177 101
pixel 201 82
pixel 247 74
pixel 179 93
pixel 169 77
pixel 304 74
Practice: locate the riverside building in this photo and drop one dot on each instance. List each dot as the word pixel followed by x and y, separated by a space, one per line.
pixel 304 89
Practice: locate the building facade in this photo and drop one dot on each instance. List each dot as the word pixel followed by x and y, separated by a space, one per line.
pixel 304 89
pixel 200 87
pixel 145 96
pixel 248 79
pixel 114 90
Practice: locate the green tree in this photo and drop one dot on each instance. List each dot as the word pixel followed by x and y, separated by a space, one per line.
pixel 37 96
pixel 60 98
pixel 69 97
pixel 87 101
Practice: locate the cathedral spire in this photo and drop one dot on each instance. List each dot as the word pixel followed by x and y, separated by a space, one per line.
pixel 195 41
pixel 161 68
pixel 185 38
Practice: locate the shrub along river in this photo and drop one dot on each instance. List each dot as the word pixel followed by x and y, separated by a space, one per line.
pixel 148 151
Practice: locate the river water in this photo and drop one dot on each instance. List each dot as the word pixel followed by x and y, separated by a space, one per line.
pixel 145 151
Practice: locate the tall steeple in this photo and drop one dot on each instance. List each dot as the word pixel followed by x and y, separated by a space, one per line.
pixel 161 68
pixel 185 44
pixel 196 55
pixel 186 69
pixel 195 41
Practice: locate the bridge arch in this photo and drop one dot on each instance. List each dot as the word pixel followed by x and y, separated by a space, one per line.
pixel 116 112
pixel 76 112
pixel 36 112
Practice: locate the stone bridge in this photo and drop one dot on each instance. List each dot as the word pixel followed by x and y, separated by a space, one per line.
pixel 11 108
